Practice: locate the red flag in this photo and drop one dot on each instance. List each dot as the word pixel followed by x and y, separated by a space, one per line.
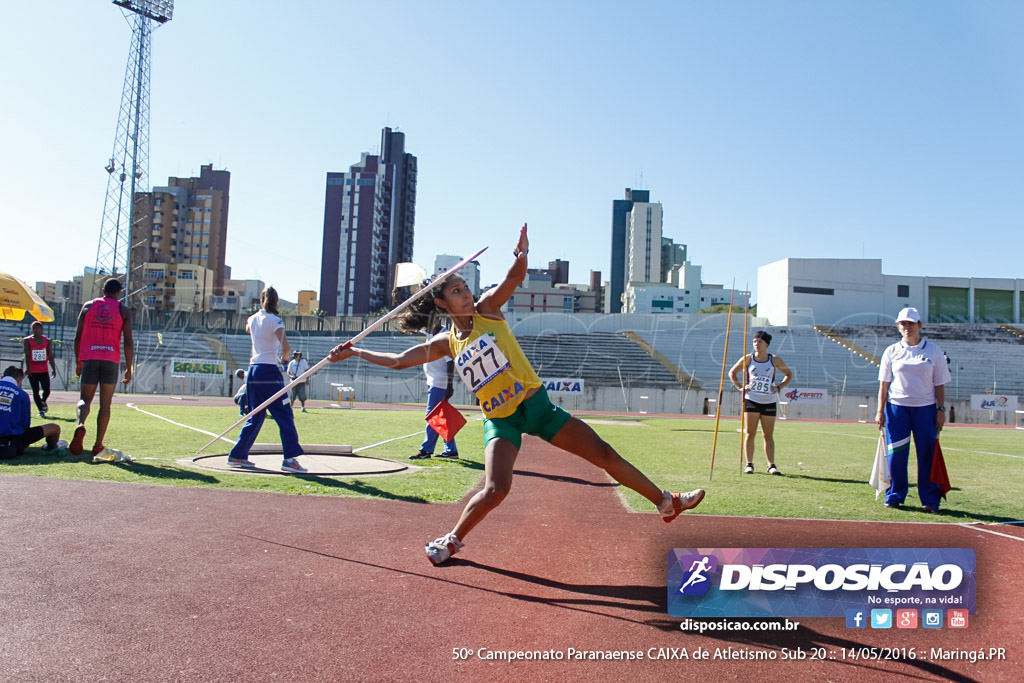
pixel 446 420
pixel 939 475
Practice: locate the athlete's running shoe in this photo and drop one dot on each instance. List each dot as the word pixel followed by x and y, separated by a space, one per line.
pixel 440 549
pixel 244 464
pixel 77 446
pixel 674 504
pixel 292 465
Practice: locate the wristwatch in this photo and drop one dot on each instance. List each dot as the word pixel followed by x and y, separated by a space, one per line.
pixel 942 408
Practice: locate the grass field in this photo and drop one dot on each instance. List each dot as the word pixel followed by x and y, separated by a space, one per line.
pixel 826 464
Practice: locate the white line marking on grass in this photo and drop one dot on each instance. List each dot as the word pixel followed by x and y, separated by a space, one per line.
pixel 944 448
pixel 179 424
pixel 381 443
pixel 989 531
pixel 203 431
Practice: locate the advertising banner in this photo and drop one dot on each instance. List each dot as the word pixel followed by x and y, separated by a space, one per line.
pixel 203 369
pixel 806 396
pixel 993 402
pixel 563 386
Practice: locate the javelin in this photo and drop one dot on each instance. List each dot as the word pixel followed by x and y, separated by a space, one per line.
pixel 380 321
pixel 743 423
pixel 721 383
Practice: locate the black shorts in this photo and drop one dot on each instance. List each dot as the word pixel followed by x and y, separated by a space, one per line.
pixel 767 409
pixel 18 442
pixel 100 372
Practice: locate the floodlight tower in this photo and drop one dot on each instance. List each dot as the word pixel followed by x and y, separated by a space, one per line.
pixel 128 168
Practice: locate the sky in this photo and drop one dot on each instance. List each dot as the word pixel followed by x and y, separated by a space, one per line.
pixel 767 129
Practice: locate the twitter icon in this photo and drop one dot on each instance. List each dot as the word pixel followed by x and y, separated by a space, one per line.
pixel 881 618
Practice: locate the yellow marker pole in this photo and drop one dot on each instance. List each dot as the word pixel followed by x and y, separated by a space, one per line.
pixel 743 422
pixel 721 382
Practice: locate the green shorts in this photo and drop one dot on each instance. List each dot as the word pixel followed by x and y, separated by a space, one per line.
pixel 536 415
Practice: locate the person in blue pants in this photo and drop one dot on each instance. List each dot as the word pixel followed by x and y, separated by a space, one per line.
pixel 262 381
pixel 911 401
pixel 440 374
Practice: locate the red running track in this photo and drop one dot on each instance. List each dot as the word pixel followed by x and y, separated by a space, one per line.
pixel 105 581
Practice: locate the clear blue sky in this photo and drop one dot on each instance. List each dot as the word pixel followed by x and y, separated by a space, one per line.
pixel 847 128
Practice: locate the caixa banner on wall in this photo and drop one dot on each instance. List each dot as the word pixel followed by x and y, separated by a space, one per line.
pixel 993 402
pixel 203 369
pixel 817 582
pixel 563 386
pixel 806 396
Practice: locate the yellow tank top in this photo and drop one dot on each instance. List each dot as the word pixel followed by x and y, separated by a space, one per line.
pixel 493 366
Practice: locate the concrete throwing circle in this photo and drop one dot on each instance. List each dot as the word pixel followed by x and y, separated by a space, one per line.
pixel 322 460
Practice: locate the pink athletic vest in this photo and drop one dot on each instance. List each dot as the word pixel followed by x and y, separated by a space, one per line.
pixel 34 365
pixel 101 331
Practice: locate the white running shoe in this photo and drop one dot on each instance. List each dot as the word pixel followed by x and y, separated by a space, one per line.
pixel 674 504
pixel 440 549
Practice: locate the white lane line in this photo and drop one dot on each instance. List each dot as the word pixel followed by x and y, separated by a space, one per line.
pixel 381 443
pixel 179 424
pixel 203 431
pixel 989 531
pixel 944 448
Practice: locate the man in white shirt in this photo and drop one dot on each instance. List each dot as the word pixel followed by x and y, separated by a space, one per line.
pixel 911 400
pixel 296 367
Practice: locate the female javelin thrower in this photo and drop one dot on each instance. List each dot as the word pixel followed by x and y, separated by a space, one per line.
pixel 491 363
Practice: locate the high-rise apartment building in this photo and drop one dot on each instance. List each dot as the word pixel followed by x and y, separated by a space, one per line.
pixel 636 244
pixel 369 218
pixel 184 222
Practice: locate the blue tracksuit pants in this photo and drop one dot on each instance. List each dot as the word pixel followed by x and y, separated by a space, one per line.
pixel 900 423
pixel 262 382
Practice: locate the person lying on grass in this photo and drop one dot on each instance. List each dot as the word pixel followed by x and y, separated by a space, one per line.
pixel 514 402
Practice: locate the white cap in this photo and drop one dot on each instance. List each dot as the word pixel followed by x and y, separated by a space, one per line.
pixel 909 314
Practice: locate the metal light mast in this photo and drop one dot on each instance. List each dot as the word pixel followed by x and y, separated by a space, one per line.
pixel 128 168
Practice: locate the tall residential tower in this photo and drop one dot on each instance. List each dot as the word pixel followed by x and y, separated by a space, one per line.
pixel 369 218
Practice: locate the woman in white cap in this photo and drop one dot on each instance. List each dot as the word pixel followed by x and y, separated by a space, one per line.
pixel 911 397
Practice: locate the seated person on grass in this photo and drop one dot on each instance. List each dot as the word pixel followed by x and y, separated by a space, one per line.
pixel 16 431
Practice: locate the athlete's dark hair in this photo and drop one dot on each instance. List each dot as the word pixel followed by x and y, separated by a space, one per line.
pixel 14 371
pixel 112 286
pixel 423 314
pixel 761 334
pixel 269 299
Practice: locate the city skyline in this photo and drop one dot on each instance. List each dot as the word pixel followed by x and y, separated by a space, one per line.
pixel 803 129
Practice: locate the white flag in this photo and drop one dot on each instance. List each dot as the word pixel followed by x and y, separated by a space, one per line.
pixel 881 476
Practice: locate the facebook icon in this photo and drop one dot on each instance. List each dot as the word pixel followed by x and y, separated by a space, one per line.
pixel 856 618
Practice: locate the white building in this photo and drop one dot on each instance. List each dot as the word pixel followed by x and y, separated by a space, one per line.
pixel 469 272
pixel 643 242
pixel 830 291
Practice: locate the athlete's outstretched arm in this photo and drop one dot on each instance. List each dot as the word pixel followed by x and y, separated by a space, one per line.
pixel 415 355
pixel 494 299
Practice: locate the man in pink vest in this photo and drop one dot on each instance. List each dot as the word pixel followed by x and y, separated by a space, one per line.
pixel 101 325
pixel 39 352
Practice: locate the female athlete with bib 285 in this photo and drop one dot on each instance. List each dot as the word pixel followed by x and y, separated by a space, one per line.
pixel 491 363
pixel 759 402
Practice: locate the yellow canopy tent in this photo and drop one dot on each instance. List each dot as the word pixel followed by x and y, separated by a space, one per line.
pixel 17 299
